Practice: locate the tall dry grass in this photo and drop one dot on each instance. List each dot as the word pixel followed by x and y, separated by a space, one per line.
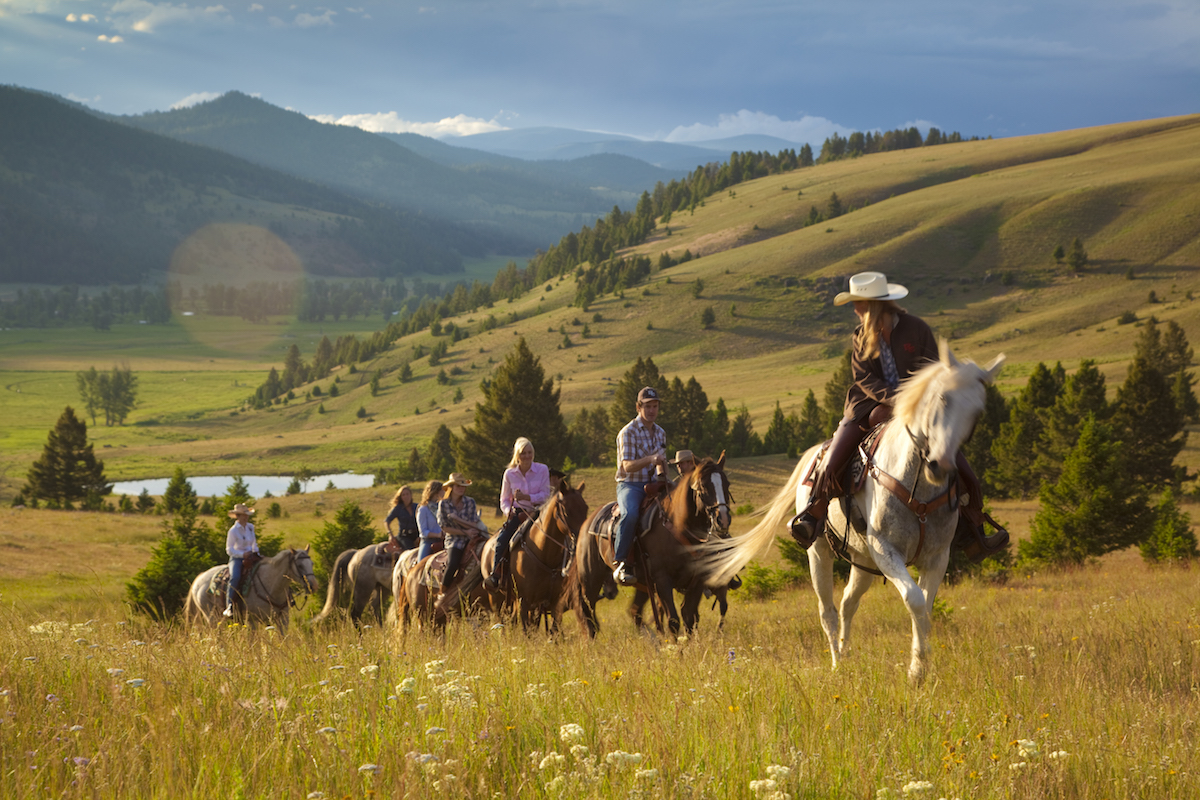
pixel 1080 684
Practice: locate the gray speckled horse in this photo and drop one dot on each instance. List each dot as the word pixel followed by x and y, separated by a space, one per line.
pixel 909 512
pixel 268 600
pixel 365 574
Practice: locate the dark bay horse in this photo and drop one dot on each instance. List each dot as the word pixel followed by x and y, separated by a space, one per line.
pixel 416 588
pixel 535 582
pixel 695 510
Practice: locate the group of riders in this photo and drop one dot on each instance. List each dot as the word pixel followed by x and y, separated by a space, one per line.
pixel 889 345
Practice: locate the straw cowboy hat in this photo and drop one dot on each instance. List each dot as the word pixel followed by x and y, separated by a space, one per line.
pixel 240 508
pixel 870 286
pixel 457 479
pixel 682 455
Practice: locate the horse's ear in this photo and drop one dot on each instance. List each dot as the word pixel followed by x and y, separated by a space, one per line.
pixel 993 369
pixel 306 547
pixel 944 354
pixel 579 488
pixel 721 460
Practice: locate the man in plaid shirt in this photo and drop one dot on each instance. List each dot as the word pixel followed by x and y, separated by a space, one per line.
pixel 641 446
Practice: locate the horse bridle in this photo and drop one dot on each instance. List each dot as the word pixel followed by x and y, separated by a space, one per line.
pixel 264 594
pixel 713 509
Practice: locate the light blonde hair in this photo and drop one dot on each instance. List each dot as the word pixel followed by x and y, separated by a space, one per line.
pixel 519 447
pixel 877 315
pixel 431 491
pixel 400 491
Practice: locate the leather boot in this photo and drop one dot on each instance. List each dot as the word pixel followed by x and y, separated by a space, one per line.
pixel 808 524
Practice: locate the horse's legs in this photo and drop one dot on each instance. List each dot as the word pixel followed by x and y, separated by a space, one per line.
pixel 691 608
pixel 666 595
pixel 892 566
pixel 820 567
pixel 637 607
pixel 857 586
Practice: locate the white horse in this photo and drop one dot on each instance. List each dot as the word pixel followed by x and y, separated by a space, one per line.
pixel 269 598
pixel 908 506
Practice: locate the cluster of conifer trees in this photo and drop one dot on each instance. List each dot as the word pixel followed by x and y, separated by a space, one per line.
pixel 67 305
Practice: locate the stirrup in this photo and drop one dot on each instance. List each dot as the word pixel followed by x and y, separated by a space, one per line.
pixel 805 528
pixel 623 576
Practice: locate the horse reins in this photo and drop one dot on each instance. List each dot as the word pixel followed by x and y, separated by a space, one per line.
pixel 258 583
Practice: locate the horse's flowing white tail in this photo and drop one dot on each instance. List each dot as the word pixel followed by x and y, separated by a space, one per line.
pixel 725 557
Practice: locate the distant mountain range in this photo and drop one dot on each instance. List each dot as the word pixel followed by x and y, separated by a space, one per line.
pixel 562 143
pixel 533 206
pixel 93 198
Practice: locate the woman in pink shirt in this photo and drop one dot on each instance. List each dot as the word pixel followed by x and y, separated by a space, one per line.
pixel 526 486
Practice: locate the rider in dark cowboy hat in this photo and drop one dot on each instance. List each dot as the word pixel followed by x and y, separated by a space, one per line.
pixel 641 447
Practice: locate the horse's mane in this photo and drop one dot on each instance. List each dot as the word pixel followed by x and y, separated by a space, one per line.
pixel 912 393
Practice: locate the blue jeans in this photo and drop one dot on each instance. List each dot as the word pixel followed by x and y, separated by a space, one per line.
pixel 235 579
pixel 629 500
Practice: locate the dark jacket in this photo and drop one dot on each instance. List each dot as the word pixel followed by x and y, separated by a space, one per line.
pixel 407 524
pixel 913 345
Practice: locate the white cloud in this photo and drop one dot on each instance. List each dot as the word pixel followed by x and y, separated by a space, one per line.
pixel 306 20
pixel 254 7
pixel 195 98
pixel 806 129
pixel 110 39
pixel 390 122
pixel 144 17
pixel 87 101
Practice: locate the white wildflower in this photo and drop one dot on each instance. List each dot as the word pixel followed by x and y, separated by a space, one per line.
pixel 646 774
pixel 570 732
pixel 315 796
pixel 371 671
pixel 327 729
pixel 434 667
pixel 1057 754
pixel 435 731
pixel 136 683
pixel 374 769
pixel 916 787
pixel 779 772
pixel 552 761
pixel 580 751
pixel 557 785
pixel 1018 766
pixel 337 666
pixel 763 786
pixel 115 671
pixel 622 760
pixel 406 686
pixel 1027 748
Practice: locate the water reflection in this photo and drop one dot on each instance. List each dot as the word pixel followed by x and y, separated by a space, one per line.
pixel 259 485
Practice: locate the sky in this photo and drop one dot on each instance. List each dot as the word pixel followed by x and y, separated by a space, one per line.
pixel 674 70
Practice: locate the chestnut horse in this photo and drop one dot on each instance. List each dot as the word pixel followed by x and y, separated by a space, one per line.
pixel 694 511
pixel 534 579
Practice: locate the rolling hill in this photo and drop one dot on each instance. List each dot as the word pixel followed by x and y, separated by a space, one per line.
pixel 969 227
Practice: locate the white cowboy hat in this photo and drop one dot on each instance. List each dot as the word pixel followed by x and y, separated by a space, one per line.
pixel 870 286
pixel 457 479
pixel 241 508
pixel 682 455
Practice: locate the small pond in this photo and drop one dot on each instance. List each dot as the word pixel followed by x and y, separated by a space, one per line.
pixel 213 485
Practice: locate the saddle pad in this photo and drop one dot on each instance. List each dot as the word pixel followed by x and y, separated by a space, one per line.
pixel 219 585
pixel 605 522
pixel 435 570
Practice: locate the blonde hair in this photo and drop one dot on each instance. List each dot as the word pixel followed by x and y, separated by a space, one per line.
pixel 400 491
pixel 519 447
pixel 431 491
pixel 873 319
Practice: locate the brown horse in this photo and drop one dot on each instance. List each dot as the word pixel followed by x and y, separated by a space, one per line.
pixel 416 587
pixel 535 570
pixel 693 511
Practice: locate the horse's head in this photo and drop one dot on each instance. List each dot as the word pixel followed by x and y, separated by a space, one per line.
pixel 302 569
pixel 940 405
pixel 570 507
pixel 710 493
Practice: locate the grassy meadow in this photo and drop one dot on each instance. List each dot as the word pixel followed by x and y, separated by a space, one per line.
pixel 1079 684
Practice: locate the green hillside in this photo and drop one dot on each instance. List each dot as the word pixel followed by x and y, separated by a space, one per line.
pixel 969 227
pixel 90 201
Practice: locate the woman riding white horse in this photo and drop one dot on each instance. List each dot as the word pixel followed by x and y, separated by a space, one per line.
pixel 268 598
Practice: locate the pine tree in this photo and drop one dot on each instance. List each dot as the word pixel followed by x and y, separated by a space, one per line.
pixel 811 429
pixel 1078 257
pixel 778 438
pixel 715 435
pixel 743 441
pixel 518 401
pixel 68 470
pixel 179 497
pixel 1171 538
pixel 439 458
pixel 415 468
pixel 688 406
pixel 624 405
pixel 1150 425
pixel 351 527
pixel 590 445
pixel 1096 506
pixel 1015 446
pixel 1083 394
